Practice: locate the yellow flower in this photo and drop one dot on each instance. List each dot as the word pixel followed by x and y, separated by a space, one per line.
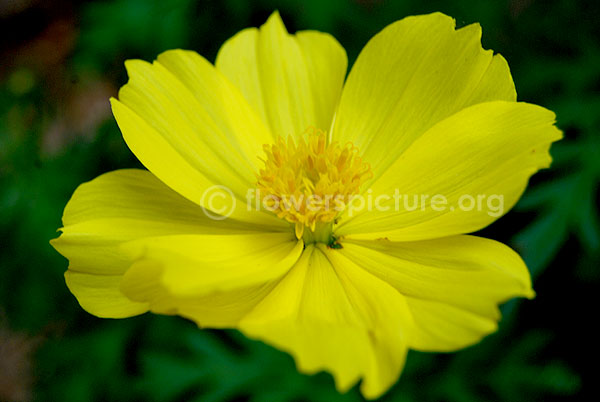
pixel 424 111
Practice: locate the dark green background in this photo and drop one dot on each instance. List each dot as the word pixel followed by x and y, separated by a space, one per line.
pixel 60 61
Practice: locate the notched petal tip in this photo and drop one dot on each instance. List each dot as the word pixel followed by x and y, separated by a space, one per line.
pixel 132 65
pixel 275 18
pixel 113 101
pixel 58 243
pixel 54 242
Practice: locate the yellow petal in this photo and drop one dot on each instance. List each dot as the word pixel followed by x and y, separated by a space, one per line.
pixel 478 162
pixel 112 209
pixel 413 74
pixel 99 295
pixel 453 285
pixel 212 280
pixel 200 264
pixel 331 315
pixel 293 81
pixel 192 128
pixel 219 309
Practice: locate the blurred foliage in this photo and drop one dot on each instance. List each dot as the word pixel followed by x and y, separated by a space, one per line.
pixel 56 132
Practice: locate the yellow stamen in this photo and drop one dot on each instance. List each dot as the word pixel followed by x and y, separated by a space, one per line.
pixel 312 181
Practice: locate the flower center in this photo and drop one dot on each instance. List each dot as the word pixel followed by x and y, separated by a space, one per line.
pixel 311 182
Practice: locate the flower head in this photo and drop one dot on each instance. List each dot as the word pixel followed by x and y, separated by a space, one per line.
pixel 332 265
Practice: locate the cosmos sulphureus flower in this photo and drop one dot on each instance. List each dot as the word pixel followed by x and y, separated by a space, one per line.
pixel 424 110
